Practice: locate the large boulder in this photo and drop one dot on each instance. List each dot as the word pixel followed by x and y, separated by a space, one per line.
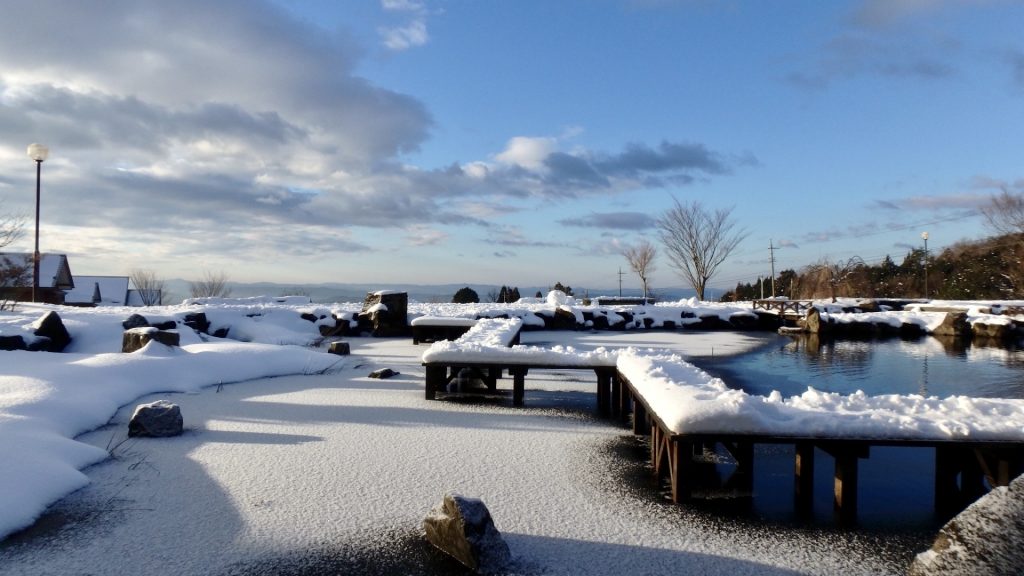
pixel 52 328
pixel 983 539
pixel 135 321
pixel 462 528
pixel 954 324
pixel 12 343
pixel 388 313
pixel 158 419
pixel 198 322
pixel 137 338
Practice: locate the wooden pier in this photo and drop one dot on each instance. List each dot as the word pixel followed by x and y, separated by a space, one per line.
pixel 965 469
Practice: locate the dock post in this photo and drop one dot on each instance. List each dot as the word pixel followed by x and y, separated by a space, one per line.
pixel 804 478
pixel 518 384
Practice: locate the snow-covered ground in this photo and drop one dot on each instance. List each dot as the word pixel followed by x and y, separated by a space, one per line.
pixel 323 468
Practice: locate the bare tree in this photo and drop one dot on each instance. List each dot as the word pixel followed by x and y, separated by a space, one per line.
pixel 1005 212
pixel 831 276
pixel 641 260
pixel 14 272
pixel 148 286
pixel 11 228
pixel 698 241
pixel 212 285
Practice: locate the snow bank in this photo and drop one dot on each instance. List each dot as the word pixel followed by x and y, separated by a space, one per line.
pixel 47 399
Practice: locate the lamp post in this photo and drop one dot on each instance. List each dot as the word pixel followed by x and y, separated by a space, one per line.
pixel 37 152
pixel 924 236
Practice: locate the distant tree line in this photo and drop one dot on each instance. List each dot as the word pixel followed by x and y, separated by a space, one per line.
pixel 970 270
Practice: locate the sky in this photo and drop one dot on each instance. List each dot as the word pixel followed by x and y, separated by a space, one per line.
pixel 501 142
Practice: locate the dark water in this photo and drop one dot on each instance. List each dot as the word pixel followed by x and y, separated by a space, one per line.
pixel 927 366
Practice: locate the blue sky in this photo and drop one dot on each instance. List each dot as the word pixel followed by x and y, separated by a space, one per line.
pixel 502 142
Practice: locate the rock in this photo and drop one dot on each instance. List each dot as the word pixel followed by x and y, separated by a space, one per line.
pixel 135 321
pixel 869 306
pixel 308 316
pixel 339 348
pixel 166 325
pixel 198 322
pixel 221 332
pixel 462 528
pixel 955 324
pixel 384 373
pixel 158 419
pixel 50 326
pixel 137 338
pixel 709 322
pixel 388 313
pixel 12 343
pixel 812 321
pixel 992 331
pixel 983 539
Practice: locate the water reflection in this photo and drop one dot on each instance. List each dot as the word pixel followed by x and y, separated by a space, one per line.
pixel 927 366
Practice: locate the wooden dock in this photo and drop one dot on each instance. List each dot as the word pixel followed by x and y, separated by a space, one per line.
pixel 965 469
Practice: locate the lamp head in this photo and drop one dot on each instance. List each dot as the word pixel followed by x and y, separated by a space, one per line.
pixel 38 152
pixel 924 235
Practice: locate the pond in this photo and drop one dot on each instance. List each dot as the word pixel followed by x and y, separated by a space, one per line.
pixel 927 366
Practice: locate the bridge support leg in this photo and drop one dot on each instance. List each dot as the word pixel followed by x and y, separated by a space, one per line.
pixel 435 379
pixel 804 478
pixel 604 393
pixel 518 384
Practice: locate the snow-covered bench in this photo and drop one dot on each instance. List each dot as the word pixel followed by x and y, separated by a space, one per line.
pixel 975 439
pixel 489 348
pixel 435 328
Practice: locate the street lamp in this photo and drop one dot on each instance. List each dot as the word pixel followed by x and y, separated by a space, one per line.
pixel 37 152
pixel 924 236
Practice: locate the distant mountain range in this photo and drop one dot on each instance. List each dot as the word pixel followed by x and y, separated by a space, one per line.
pixel 177 289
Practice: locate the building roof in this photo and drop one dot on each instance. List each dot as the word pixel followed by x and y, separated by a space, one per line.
pixel 99 290
pixel 54 271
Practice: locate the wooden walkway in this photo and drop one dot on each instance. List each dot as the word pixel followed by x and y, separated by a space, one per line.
pixel 964 469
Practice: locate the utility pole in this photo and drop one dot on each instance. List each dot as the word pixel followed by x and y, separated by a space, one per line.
pixel 620 281
pixel 771 257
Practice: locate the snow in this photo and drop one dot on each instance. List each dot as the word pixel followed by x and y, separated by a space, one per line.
pixel 305 451
pixel 688 400
pixel 47 399
pixel 441 321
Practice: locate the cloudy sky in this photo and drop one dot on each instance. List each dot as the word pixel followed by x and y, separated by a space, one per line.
pixel 526 142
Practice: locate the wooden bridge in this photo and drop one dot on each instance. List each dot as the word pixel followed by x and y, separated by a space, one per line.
pixel 784 307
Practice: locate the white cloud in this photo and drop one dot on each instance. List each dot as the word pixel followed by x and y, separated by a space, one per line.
pixel 405 37
pixel 425 236
pixel 528 152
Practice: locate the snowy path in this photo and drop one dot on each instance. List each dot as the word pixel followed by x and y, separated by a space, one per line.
pixel 330 474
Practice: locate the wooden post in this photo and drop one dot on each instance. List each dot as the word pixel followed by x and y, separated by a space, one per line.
pixel 625 398
pixel 604 389
pixel 804 478
pixel 435 379
pixel 518 384
pixel 948 498
pixel 681 468
pixel 846 484
pixel 641 424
